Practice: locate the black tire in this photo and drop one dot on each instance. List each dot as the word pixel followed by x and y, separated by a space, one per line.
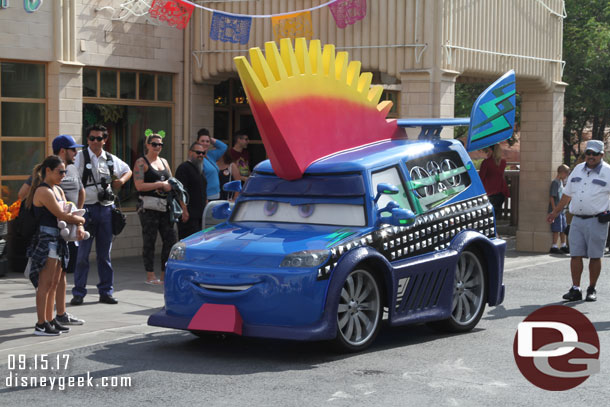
pixel 359 311
pixel 469 294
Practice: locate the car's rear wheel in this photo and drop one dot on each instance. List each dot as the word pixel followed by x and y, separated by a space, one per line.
pixel 359 311
pixel 469 294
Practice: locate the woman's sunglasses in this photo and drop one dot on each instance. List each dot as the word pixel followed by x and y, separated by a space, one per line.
pixel 156 144
pixel 62 172
pixel 93 138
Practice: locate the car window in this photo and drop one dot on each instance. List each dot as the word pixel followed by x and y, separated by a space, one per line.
pixel 436 178
pixel 390 176
pixel 305 213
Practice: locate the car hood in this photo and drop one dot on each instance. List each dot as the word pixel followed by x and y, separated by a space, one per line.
pixel 262 244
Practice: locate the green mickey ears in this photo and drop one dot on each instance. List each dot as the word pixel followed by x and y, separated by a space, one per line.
pixel 149 133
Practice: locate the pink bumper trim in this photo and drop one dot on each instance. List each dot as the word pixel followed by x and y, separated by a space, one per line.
pixel 217 318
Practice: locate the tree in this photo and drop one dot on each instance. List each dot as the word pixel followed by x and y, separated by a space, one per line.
pixel 586 44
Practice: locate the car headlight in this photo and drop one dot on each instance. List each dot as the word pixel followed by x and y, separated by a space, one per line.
pixel 305 258
pixel 178 251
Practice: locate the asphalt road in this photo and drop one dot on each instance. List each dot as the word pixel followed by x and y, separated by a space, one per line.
pixel 407 366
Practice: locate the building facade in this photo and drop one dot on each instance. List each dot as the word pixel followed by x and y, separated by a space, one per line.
pixel 65 64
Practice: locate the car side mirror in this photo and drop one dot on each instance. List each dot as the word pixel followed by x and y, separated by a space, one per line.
pixel 387 189
pixel 222 211
pixel 233 186
pixel 399 217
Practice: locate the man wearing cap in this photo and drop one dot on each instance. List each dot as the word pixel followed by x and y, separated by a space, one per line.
pixel 588 193
pixel 64 147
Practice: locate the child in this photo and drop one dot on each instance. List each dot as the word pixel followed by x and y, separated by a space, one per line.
pixel 558 227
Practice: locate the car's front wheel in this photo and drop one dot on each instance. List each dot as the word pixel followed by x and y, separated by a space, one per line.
pixel 469 294
pixel 359 311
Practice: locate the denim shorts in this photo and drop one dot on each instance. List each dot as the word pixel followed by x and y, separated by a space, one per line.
pixel 559 224
pixel 52 245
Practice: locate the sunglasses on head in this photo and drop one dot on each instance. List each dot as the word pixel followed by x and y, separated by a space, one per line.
pixel 156 144
pixel 93 138
pixel 593 153
pixel 198 152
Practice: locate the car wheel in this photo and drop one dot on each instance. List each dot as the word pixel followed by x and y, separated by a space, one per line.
pixel 359 311
pixel 469 294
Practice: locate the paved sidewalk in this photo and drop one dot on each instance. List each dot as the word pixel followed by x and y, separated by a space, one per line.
pixel 104 322
pixel 137 301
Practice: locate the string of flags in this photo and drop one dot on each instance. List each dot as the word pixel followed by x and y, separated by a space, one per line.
pixel 235 28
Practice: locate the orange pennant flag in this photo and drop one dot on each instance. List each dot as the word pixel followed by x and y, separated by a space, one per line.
pixel 292 26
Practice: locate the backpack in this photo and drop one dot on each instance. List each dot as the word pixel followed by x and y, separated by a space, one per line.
pixel 23 229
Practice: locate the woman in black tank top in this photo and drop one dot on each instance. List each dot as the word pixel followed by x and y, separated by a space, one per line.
pixel 150 176
pixel 48 251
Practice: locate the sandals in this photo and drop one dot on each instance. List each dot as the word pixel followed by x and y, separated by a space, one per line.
pixel 156 281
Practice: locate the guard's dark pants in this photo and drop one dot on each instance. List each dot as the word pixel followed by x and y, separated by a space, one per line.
pixel 99 224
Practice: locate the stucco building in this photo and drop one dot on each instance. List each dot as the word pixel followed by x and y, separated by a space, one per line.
pixel 70 63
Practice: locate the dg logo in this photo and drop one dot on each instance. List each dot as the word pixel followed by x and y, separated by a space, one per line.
pixel 556 348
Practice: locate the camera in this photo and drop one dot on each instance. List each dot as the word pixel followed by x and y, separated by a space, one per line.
pixel 106 194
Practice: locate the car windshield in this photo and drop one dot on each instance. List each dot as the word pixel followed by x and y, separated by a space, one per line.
pixel 312 213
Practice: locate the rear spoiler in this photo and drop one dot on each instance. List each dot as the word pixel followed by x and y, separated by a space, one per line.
pixel 491 121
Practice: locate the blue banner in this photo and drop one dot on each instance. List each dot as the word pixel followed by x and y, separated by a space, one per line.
pixel 227 28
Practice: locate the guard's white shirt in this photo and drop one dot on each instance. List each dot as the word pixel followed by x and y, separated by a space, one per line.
pixel 99 169
pixel 589 189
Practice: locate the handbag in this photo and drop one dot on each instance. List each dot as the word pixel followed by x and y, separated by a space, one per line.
pixel 153 203
pixel 119 220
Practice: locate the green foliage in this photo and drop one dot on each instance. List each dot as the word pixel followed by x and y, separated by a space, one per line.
pixel 586 44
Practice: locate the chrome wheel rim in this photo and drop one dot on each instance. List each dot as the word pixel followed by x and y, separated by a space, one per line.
pixel 359 304
pixel 468 289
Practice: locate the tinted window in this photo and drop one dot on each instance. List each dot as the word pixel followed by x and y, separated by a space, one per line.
pixel 390 176
pixel 437 178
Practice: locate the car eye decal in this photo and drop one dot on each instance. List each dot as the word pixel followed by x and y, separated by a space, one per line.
pixel 270 208
pixel 306 210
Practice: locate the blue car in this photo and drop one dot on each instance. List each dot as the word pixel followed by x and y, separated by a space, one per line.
pixel 400 226
pixel 398 229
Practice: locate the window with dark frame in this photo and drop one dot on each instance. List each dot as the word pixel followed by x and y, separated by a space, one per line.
pixel 128 103
pixel 23 118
